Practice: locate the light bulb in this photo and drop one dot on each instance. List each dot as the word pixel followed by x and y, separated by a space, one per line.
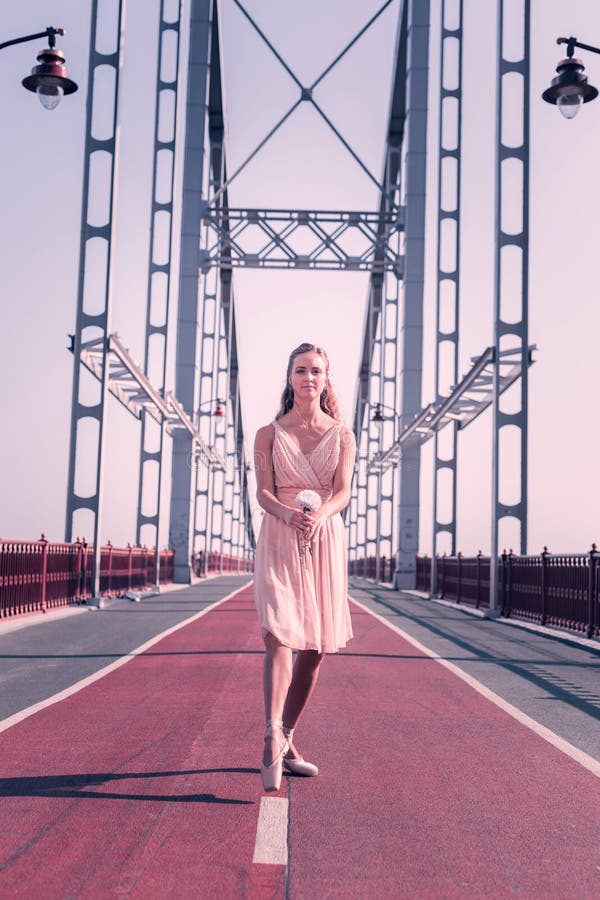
pixel 49 95
pixel 569 101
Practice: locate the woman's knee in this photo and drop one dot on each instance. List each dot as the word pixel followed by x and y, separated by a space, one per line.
pixel 312 659
pixel 271 642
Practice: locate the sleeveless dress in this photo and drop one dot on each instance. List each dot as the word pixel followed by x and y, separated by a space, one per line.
pixel 303 602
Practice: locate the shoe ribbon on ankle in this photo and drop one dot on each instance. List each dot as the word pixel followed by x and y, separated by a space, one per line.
pixel 273 725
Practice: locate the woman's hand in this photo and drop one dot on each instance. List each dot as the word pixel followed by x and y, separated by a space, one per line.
pixel 298 520
pixel 316 520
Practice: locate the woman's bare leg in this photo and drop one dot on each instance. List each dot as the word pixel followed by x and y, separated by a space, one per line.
pixel 304 680
pixel 277 675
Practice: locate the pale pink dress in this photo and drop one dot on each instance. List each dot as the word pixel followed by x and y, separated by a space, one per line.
pixel 303 603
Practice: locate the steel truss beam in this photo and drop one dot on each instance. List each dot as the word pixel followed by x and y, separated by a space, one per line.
pixel 474 394
pixel 131 387
pixel 303 239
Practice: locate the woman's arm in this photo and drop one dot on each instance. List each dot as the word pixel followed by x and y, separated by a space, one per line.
pixel 342 483
pixel 265 483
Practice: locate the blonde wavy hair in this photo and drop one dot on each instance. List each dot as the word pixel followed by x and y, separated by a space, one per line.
pixel 328 399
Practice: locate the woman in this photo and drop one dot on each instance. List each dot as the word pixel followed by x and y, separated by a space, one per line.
pixel 300 580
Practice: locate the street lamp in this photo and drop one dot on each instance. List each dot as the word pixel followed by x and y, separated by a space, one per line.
pixel 50 79
pixel 378 416
pixel 570 88
pixel 217 413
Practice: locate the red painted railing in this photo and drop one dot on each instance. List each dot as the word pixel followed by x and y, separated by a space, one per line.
pixel 40 575
pixel 552 589
pixel 220 563
pixel 366 567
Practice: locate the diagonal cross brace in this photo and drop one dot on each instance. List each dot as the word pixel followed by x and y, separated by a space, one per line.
pixel 305 95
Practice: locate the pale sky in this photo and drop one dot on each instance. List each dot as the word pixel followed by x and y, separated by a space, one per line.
pixel 41 158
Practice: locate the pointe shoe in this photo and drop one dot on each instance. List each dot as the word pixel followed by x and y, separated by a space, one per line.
pixel 271 774
pixel 298 766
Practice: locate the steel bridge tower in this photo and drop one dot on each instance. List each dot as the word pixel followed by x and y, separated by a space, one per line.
pixel 209 506
pixel 391 448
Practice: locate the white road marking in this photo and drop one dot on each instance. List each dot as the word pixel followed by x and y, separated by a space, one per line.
pixel 272 832
pixel 90 679
pixel 584 759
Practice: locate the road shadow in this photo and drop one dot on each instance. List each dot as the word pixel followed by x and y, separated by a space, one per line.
pixel 537 669
pixel 86 786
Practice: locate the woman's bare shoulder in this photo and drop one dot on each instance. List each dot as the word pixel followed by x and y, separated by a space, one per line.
pixel 347 436
pixel 265 433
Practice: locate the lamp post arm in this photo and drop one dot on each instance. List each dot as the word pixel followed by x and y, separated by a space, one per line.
pixel 50 33
pixel 572 42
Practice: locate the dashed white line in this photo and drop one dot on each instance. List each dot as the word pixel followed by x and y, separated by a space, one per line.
pixel 271 845
pixel 79 685
pixel 584 759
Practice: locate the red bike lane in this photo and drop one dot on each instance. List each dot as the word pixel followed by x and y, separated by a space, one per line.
pixel 430 790
pixel 145 783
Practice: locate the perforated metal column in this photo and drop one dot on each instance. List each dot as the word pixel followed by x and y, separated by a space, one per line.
pixel 95 283
pixel 231 509
pixel 232 471
pixel 388 376
pixel 387 429
pixel 361 480
pixel 208 424
pixel 372 431
pixel 159 266
pixel 411 313
pixel 511 277
pixel 448 269
pixel 187 350
pixel 352 515
pixel 236 463
pixel 221 430
pixel 374 495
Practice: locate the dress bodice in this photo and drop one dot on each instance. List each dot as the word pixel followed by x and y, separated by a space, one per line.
pixel 295 470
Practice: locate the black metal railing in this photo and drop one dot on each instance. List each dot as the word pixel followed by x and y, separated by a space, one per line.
pixel 366 567
pixel 560 589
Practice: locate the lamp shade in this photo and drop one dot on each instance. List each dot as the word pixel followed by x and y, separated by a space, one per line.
pixel 569 89
pixel 50 79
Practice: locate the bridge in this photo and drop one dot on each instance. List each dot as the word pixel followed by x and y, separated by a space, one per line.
pixel 241 177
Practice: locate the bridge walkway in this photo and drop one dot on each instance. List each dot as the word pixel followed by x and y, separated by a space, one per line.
pixel 134 772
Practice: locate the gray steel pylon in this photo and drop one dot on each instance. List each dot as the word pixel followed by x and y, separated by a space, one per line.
pixel 511 253
pixel 85 480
